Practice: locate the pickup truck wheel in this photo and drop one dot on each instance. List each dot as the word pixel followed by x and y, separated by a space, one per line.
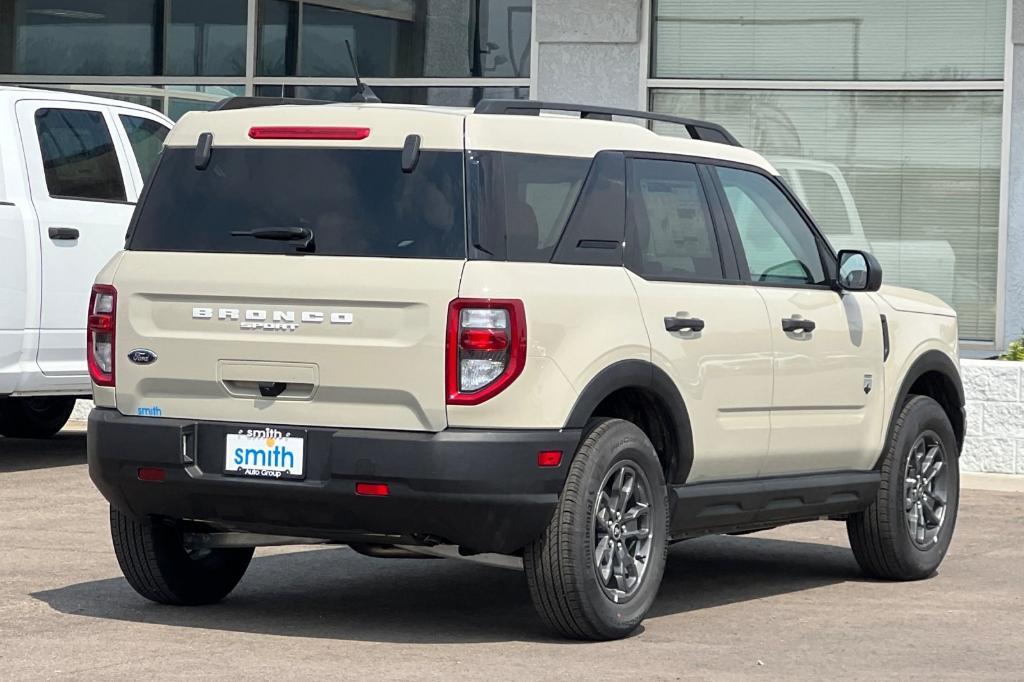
pixel 156 563
pixel 906 531
pixel 34 417
pixel 596 570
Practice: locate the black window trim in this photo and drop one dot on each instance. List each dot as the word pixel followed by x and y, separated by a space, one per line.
pixel 726 257
pixel 825 252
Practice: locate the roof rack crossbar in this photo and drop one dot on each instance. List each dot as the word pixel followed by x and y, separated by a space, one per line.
pixel 230 103
pixel 698 130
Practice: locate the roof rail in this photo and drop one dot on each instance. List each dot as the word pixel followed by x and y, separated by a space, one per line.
pixel 230 103
pixel 698 130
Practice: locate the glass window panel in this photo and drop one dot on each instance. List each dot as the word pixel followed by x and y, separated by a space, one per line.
pixel 919 172
pixel 829 39
pixel 206 38
pixel 147 139
pixel 395 39
pixel 777 244
pixel 669 212
pixel 439 96
pixel 79 37
pixel 79 160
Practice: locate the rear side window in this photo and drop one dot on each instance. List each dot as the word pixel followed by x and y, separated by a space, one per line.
pixel 354 202
pixel 675 238
pixel 79 160
pixel 147 138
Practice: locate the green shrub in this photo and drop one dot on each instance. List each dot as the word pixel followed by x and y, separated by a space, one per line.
pixel 1015 352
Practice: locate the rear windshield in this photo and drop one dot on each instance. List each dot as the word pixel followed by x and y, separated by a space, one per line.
pixel 354 202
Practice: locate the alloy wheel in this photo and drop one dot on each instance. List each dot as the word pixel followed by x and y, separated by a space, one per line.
pixel 925 490
pixel 622 534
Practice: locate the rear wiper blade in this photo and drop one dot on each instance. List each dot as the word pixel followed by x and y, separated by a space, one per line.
pixel 283 234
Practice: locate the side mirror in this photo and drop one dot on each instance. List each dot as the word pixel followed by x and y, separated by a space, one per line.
pixel 859 271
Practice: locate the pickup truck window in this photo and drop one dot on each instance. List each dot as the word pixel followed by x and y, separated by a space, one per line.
pixel 79 160
pixel 147 139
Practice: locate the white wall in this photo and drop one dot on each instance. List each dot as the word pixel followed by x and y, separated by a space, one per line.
pixel 995 417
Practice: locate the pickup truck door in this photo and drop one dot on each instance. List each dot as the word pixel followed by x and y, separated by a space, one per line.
pixel 143 133
pixel 80 180
pixel 827 346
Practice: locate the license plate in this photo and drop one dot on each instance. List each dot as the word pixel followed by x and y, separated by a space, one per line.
pixel 265 453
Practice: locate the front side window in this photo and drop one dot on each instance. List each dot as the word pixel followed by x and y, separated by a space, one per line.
pixel 79 160
pixel 147 138
pixel 674 235
pixel 778 244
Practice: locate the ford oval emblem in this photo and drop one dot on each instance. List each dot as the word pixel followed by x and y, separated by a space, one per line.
pixel 142 356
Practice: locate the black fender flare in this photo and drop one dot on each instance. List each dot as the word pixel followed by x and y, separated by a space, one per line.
pixel 645 375
pixel 929 361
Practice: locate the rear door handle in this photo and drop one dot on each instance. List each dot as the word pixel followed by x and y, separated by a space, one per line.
pixel 681 324
pixel 796 324
pixel 63 233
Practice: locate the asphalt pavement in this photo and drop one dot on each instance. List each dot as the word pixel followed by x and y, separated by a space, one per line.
pixel 788 603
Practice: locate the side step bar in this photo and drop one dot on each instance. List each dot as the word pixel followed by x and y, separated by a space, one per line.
pixel 728 506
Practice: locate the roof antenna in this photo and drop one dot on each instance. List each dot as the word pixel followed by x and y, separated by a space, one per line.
pixel 363 92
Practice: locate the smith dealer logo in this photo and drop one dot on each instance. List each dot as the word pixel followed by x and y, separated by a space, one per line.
pixel 270 320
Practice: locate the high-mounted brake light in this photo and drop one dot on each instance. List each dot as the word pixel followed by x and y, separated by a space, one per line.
pixel 308 133
pixel 486 348
pixel 101 331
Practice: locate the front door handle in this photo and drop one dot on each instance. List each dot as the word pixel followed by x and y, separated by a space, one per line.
pixel 796 324
pixel 63 233
pixel 683 324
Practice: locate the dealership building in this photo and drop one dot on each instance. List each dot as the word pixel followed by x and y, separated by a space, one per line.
pixel 900 123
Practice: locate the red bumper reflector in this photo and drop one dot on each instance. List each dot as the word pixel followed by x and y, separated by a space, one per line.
pixel 308 133
pixel 373 489
pixel 549 458
pixel 153 474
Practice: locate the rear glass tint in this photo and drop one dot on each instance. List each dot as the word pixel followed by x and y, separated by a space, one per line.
pixel 356 202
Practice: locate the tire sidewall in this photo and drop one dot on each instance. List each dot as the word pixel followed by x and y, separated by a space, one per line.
pixel 620 443
pixel 922 414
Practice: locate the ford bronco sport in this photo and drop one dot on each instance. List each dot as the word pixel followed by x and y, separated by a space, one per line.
pixel 564 342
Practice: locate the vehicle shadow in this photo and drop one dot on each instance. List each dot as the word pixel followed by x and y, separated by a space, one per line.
pixel 67 448
pixel 334 593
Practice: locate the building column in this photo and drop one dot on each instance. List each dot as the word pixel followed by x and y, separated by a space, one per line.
pixel 589 51
pixel 1013 298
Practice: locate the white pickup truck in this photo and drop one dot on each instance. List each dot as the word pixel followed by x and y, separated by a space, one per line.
pixel 71 170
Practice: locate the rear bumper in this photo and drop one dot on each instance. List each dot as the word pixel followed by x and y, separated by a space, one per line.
pixel 479 489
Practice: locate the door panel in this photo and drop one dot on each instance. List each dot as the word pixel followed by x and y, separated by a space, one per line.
pixel 827 347
pixel 828 397
pixel 724 372
pixel 710 337
pixel 79 181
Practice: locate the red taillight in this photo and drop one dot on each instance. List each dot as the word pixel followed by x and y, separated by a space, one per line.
pixel 308 133
pixel 101 332
pixel 486 348
pixel 373 489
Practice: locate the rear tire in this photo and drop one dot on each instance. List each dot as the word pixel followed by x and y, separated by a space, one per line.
pixel 906 531
pixel 157 565
pixel 34 417
pixel 596 570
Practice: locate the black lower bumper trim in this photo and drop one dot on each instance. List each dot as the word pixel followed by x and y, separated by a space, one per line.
pixel 475 488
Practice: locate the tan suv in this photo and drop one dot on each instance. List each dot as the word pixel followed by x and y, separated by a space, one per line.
pixel 561 342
